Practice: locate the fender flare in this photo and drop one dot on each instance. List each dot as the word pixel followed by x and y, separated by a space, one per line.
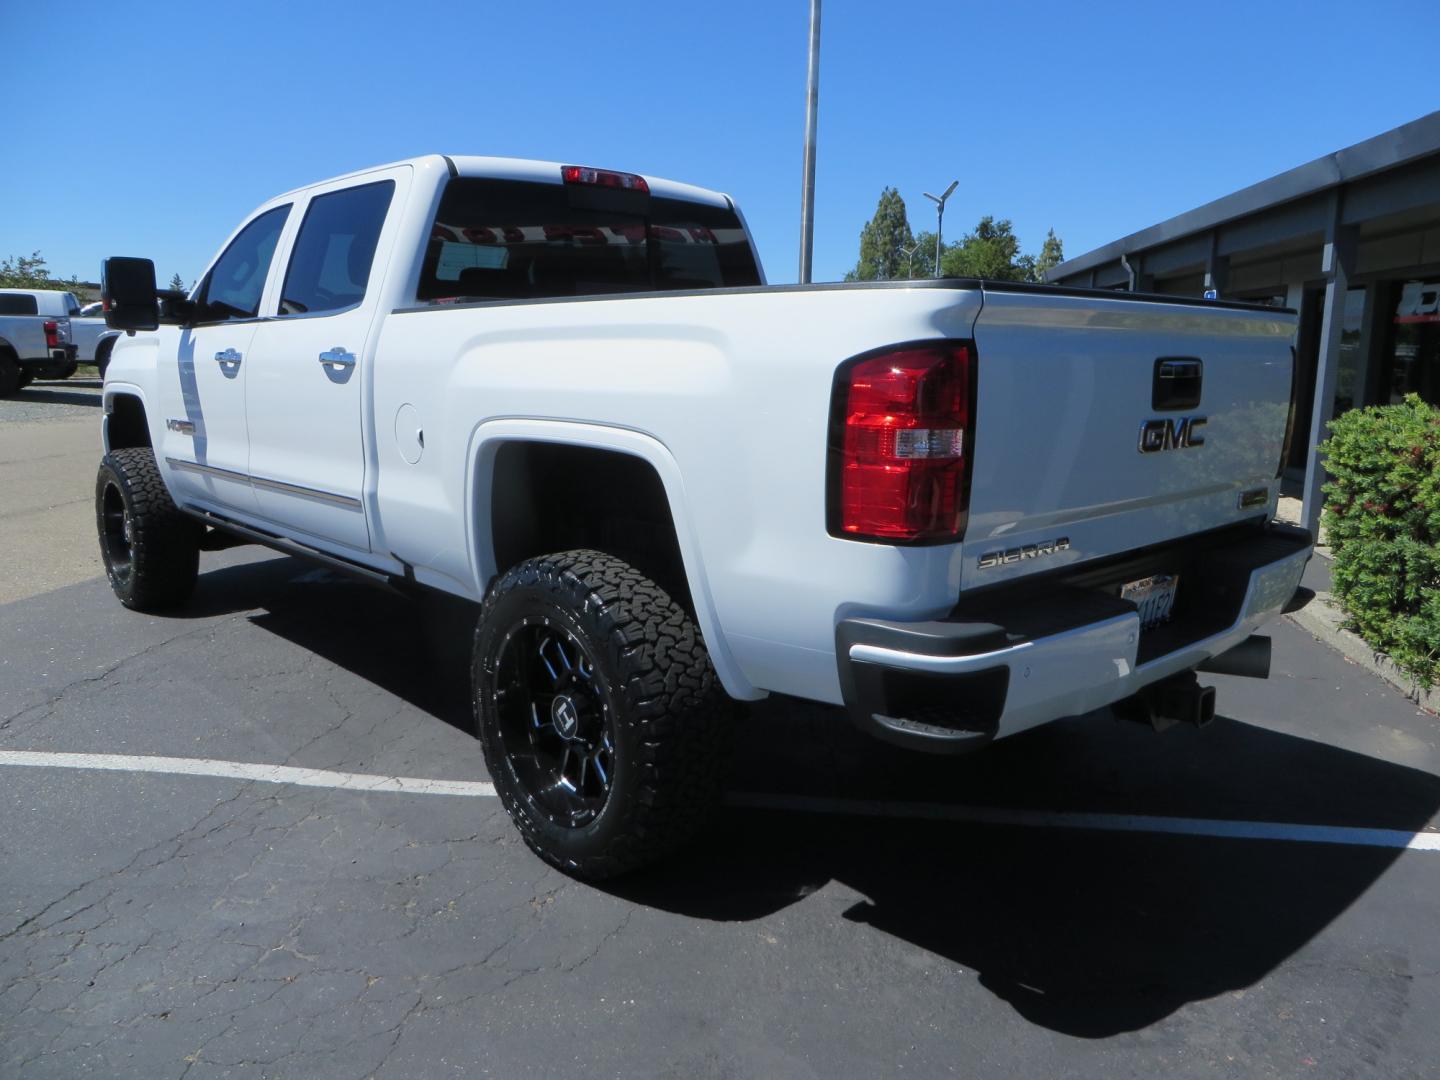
pixel 487 438
pixel 111 392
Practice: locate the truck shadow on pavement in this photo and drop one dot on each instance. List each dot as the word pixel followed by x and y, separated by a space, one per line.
pixel 42 394
pixel 1085 933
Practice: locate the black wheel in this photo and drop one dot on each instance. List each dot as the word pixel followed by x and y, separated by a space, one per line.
pixel 102 356
pixel 604 727
pixel 10 373
pixel 151 551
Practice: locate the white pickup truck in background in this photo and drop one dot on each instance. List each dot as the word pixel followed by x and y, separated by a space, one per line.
pixel 958 508
pixel 35 340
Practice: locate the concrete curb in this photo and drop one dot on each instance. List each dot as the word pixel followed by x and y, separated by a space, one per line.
pixel 1323 618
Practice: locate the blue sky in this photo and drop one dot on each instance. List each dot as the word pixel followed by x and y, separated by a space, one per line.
pixel 151 129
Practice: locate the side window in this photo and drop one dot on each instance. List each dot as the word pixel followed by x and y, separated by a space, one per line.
pixel 330 266
pixel 232 288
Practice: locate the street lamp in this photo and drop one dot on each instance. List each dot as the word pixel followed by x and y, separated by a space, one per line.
pixel 939 201
pixel 910 259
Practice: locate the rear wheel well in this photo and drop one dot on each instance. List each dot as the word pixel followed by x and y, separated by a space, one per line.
pixel 549 497
pixel 125 424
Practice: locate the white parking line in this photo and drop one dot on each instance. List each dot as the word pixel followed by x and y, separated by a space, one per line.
pixel 242 770
pixel 975 815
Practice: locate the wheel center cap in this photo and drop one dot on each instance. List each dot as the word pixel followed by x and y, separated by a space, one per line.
pixel 564 715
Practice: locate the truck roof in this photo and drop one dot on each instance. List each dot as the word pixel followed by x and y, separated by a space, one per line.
pixel 542 172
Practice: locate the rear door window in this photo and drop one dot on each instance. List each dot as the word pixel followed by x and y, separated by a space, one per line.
pixel 18 304
pixel 335 250
pixel 233 287
pixel 511 239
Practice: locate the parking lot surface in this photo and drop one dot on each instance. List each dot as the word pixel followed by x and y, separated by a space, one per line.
pixel 49 447
pixel 856 911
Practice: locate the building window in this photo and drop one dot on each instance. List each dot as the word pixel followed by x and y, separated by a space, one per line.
pixel 1350 372
pixel 1414 361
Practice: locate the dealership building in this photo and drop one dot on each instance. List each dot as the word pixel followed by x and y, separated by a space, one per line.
pixel 1351 241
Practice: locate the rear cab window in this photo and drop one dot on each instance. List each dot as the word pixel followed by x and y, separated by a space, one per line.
pixel 516 239
pixel 18 304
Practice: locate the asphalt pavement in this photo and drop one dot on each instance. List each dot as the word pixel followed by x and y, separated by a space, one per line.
pixel 856 911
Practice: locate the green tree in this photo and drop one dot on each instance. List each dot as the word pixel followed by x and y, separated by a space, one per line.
pixel 883 241
pixel 22 272
pixel 177 283
pixel 1052 254
pixel 991 251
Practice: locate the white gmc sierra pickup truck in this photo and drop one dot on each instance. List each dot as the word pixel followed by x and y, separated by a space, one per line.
pixel 959 508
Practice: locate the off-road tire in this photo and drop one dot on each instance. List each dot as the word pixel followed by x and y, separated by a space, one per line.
pixel 9 373
pixel 155 566
pixel 671 718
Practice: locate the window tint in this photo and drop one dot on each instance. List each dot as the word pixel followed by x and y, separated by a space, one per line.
pixel 336 246
pixel 18 304
pixel 517 239
pixel 233 287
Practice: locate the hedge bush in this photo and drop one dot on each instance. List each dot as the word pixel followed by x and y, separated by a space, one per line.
pixel 1382 515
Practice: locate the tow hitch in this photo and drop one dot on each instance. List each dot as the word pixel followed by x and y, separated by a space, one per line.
pixel 1178 699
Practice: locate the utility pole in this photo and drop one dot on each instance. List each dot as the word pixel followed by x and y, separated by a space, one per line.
pixel 812 107
pixel 939 201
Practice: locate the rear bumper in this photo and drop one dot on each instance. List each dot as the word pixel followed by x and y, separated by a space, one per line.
pixel 59 363
pixel 1019 657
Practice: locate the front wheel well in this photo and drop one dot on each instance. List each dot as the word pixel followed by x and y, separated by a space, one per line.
pixel 125 423
pixel 549 497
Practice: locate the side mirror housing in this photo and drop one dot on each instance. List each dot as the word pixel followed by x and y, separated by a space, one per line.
pixel 127 286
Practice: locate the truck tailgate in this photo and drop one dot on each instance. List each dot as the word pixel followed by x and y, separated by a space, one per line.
pixel 1103 426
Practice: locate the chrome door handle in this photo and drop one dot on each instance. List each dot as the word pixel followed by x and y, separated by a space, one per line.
pixel 227 356
pixel 337 358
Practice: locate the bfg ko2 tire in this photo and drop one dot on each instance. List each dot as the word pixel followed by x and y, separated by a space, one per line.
pixel 604 727
pixel 150 549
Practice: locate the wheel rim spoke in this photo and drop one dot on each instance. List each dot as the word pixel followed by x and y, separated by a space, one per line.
pixel 555 721
pixel 117 532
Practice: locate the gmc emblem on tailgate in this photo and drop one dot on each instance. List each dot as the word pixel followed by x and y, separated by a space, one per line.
pixel 1183 431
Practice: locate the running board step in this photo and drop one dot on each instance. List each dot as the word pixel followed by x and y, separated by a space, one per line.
pixel 289 547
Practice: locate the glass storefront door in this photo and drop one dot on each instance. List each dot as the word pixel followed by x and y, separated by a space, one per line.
pixel 1412 364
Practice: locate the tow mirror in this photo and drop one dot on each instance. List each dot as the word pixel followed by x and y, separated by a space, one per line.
pixel 127 286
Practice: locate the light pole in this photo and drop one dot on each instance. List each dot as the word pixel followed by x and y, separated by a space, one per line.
pixel 812 106
pixel 939 201
pixel 910 259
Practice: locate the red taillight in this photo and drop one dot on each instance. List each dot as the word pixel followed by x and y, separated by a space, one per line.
pixel 52 334
pixel 580 174
pixel 903 421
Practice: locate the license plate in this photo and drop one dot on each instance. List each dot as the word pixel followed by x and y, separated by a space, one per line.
pixel 1154 596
